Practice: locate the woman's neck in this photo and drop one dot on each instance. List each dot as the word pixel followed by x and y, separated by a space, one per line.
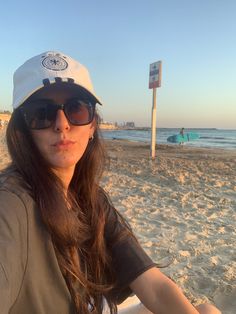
pixel 65 175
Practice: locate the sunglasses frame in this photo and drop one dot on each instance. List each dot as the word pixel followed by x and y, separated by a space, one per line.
pixel 90 107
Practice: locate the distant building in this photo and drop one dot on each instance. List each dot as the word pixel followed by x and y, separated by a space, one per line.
pixel 4 118
pixel 130 124
pixel 107 126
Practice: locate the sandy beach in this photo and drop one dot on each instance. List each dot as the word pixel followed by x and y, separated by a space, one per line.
pixel 182 207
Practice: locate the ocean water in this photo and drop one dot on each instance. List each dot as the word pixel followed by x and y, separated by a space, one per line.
pixel 211 138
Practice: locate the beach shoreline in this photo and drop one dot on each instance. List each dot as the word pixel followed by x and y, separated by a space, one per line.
pixel 208 138
pixel 182 208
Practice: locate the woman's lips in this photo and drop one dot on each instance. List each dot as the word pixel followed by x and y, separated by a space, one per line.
pixel 63 144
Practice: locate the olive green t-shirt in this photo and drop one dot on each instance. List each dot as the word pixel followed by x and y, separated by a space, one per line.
pixel 30 278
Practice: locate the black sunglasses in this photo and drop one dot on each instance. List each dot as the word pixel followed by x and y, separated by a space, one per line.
pixel 41 113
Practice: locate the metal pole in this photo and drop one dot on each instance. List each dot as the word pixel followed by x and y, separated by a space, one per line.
pixel 154 110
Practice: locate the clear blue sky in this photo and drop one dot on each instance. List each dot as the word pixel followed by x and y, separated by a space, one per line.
pixel 117 40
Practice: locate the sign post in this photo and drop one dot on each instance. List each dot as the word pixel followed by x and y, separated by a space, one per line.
pixel 154 82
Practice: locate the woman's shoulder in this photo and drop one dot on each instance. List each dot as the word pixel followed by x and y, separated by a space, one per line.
pixel 10 179
pixel 13 191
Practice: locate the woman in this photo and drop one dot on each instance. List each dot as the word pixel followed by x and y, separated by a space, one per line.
pixel 63 246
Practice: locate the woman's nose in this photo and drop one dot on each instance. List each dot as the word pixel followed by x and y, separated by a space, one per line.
pixel 61 122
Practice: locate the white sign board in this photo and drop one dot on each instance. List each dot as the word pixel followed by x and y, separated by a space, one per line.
pixel 155 74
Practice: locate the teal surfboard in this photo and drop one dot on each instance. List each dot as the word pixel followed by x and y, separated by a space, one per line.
pixel 178 138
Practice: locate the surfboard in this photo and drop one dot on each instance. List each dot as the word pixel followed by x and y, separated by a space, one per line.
pixel 178 138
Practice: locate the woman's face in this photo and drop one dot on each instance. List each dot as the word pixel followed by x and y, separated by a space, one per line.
pixel 63 144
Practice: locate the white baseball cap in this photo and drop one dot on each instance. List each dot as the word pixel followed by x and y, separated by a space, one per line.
pixel 49 68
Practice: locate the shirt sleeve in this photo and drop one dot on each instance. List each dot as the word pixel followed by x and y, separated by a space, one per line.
pixel 13 247
pixel 128 257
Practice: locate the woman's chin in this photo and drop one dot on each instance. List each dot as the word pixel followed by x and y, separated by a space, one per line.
pixel 63 164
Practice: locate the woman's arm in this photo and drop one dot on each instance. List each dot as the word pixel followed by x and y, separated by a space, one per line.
pixel 161 295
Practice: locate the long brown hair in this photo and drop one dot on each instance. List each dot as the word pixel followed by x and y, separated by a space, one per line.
pixel 77 232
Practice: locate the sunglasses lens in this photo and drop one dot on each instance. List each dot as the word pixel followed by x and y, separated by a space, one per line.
pixel 79 112
pixel 39 115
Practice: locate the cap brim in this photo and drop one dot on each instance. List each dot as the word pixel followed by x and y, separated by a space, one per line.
pixel 72 85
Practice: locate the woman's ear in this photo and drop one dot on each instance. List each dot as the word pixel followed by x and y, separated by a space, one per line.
pixel 92 128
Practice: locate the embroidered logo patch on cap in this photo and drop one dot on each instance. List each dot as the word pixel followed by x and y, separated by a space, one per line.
pixel 55 63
